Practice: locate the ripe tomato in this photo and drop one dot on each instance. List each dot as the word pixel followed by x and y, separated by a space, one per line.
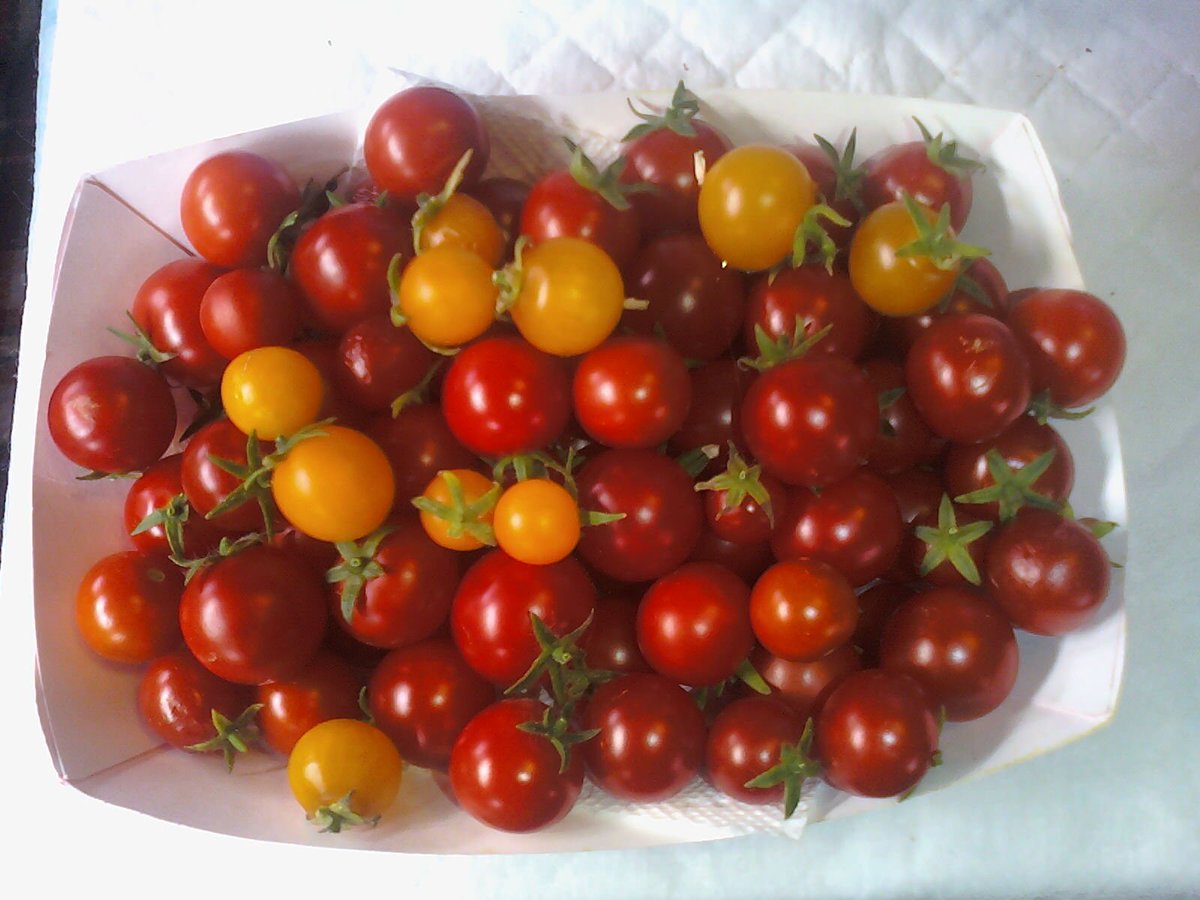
pixel 744 741
pixel 817 299
pixel 651 736
pixel 957 645
pixel 127 606
pixel 167 308
pixel 207 485
pixel 632 392
pixel 502 396
pixel 876 734
pixel 344 772
pixel 805 685
pixel 419 444
pixel 327 688
pixel 693 624
pixel 875 608
pixel 336 486
pixel 379 362
pixel 416 138
pixel 746 561
pixel 504 199
pixel 887 281
pixel 256 616
pixel 510 779
pixel 560 204
pixel 903 440
pixel 465 223
pixel 422 696
pixel 571 296
pixel 610 642
pixel 751 202
pixel 732 510
pixel 446 296
pixel 930 170
pixel 176 698
pixel 838 182
pixel 979 279
pixel 490 618
pixel 968 377
pixel 715 414
pixel 448 531
pixel 537 522
pixel 249 308
pixel 802 610
pixel 155 488
pixel 111 414
pixel 232 203
pixel 271 391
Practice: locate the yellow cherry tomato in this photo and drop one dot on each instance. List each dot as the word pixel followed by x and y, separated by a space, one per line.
pixel 335 486
pixel 272 391
pixel 466 223
pixel 889 283
pixel 446 296
pixel 537 522
pixel 456 509
pixel 571 296
pixel 751 203
pixel 344 772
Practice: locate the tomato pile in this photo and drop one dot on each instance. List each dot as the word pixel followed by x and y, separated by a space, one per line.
pixel 721 462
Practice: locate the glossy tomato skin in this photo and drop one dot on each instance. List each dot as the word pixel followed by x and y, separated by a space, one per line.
pixel 345 758
pixel 715 414
pixel 559 206
pixel 810 421
pixel 876 734
pixel 379 362
pixel 802 610
pixel 167 308
pixel 127 606
pixel 249 308
pixel 326 688
pixel 610 642
pixel 968 377
pixel 805 685
pixel 889 282
pixel 693 624
pixel 153 489
pixel 422 696
pixel 1048 574
pixel 907 167
pixel 903 440
pixel 747 522
pixel 232 203
pixel 176 698
pixel 663 514
pixel 490 615
pixel 340 263
pixel 418 444
pixel 502 396
pixel 1074 342
pixel 256 616
pixel 667 160
pixel 900 332
pixel 111 414
pixel 207 484
pixel 744 741
pixel 816 297
pixel 631 392
pixel 509 779
pixel 959 647
pixel 651 740
pixel 416 138
pixel 853 525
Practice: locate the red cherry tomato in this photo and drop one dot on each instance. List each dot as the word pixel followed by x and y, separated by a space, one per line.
pixel 176 698
pixel 167 308
pixel 744 741
pixel 817 299
pixel 127 606
pixel 715 414
pixel 207 485
pixel 380 362
pixel 418 444
pixel 875 608
pixel 560 206
pixel 903 440
pixel 610 642
pixel 805 685
pixel 914 167
pixel 249 308
pixel 159 485
pixel 327 688
pixel 746 522
pixel 802 610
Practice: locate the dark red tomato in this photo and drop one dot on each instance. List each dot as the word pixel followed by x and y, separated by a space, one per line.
pixel 853 525
pixel 744 741
pixel 560 206
pixel 958 646
pixel 327 688
pixel 875 608
pixel 810 421
pixel 821 170
pixel 746 522
pixel 715 414
pixel 320 555
pixel 158 486
pixel 167 308
pixel 127 606
pixel 325 354
pixel 249 308
pixel 945 573
pixel 696 302
pixel 380 362
pixel 966 467
pixel 610 642
pixel 817 299
pixel 984 280
pixel 502 396
pixel 422 696
pixel 631 392
pixel 232 203
pixel 410 598
pixel 112 414
pixel 805 685
pixel 490 616
pixel 206 484
pixel 651 740
pixel 510 779
pixel 505 200
pixel 416 138
pixel 663 514
pixel 1048 574
pixel 341 263
pixel 256 616
pixel 903 440
pixel 914 168
pixel 918 491
pixel 876 734
pixel 176 698
pixel 667 160
pixel 968 377
pixel 1074 342
pixel 747 561
pixel 802 610
pixel 418 444
pixel 693 624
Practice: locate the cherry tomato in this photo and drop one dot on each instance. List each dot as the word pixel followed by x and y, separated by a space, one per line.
pixel 715 414
pixel 440 490
pixel 419 444
pixel 111 414
pixel 932 173
pixel 344 761
pixel 167 308
pixel 176 698
pixel 838 188
pixel 249 308
pixel 957 645
pixel 817 299
pixel 900 332
pixel 271 391
pixel 875 608
pixel 751 203
pixel 744 520
pixel 327 688
pixel 651 736
pixel 537 522
pixel 802 610
pixel 127 606
pixel 256 616
pixel 945 573
pixel 446 296
pixel 379 362
pixel 805 685
pixel 510 779
pixel 887 281
pixel 747 561
pixel 422 696
pixel 903 440
pixel 158 486
pixel 466 224
pixel 325 354
pixel 232 203
pixel 416 138
pixel 610 642
pixel 559 205
pixel 207 485
pixel 744 741
pixel 505 199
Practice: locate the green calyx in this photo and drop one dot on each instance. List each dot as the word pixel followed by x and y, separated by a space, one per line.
pixel 417 394
pixel 745 673
pixel 739 481
pixel 1043 409
pixel 462 517
pixel 935 240
pixel 315 201
pixel 172 516
pixel 607 182
pixel 949 542
pixel 773 352
pixel 509 279
pixel 794 767
pixel 233 736
pixel 944 153
pixel 848 177
pixel 340 814
pixel 812 233
pixel 542 464
pixel 696 460
pixel 684 107
pixel 1013 488
pixel 429 205
pixel 147 354
pixel 358 566
pixel 226 548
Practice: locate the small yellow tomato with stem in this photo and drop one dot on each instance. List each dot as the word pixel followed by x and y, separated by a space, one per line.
pixel 271 391
pixel 457 507
pixel 444 296
pixel 463 222
pixel 537 522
